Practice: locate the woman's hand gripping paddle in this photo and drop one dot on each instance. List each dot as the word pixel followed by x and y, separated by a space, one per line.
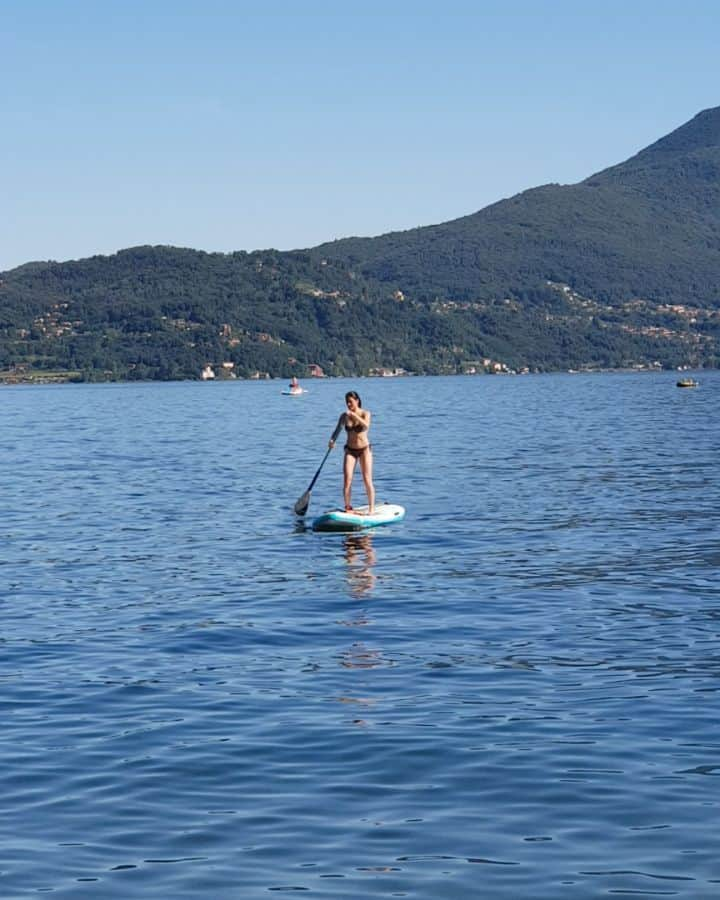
pixel 301 506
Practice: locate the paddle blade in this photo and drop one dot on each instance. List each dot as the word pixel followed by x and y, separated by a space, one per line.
pixel 302 505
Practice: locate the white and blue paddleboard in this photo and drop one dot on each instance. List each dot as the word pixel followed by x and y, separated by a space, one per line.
pixel 359 519
pixel 296 393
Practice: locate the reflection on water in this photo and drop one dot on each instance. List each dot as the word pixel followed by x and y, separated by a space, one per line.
pixel 360 557
pixel 358 656
pixel 360 621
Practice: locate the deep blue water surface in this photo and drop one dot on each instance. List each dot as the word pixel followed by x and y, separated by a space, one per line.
pixel 512 694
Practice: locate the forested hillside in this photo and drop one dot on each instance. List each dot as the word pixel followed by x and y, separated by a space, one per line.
pixel 622 269
pixel 648 228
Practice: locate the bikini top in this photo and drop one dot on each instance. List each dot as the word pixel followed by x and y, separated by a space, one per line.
pixel 356 428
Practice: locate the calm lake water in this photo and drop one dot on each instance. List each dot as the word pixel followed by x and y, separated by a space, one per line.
pixel 512 694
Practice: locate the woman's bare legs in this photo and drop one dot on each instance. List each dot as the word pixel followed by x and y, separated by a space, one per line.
pixel 366 467
pixel 348 472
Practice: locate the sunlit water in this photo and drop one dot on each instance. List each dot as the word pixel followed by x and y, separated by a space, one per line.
pixel 512 694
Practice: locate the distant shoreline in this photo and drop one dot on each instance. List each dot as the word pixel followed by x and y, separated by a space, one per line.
pixel 13 379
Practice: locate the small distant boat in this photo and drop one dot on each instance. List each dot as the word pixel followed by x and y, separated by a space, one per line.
pixel 294 391
pixel 687 382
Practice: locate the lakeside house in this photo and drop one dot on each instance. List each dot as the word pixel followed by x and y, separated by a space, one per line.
pixel 388 373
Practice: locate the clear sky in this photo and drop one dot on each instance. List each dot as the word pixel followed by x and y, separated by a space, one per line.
pixel 251 124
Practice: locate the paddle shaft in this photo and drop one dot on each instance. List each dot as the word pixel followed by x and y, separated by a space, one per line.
pixel 327 453
pixel 302 504
pixel 315 477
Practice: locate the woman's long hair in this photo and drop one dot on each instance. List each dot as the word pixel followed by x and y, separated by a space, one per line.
pixel 355 396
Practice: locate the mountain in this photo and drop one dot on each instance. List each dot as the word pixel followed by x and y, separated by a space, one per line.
pixel 647 228
pixel 620 269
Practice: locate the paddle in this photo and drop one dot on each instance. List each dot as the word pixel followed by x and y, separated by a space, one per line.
pixel 302 505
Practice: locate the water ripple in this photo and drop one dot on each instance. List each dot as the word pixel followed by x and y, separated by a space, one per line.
pixel 202 697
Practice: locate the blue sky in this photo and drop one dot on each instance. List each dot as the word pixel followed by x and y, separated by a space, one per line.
pixel 246 125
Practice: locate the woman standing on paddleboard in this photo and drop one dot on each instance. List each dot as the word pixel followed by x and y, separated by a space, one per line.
pixel 356 422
